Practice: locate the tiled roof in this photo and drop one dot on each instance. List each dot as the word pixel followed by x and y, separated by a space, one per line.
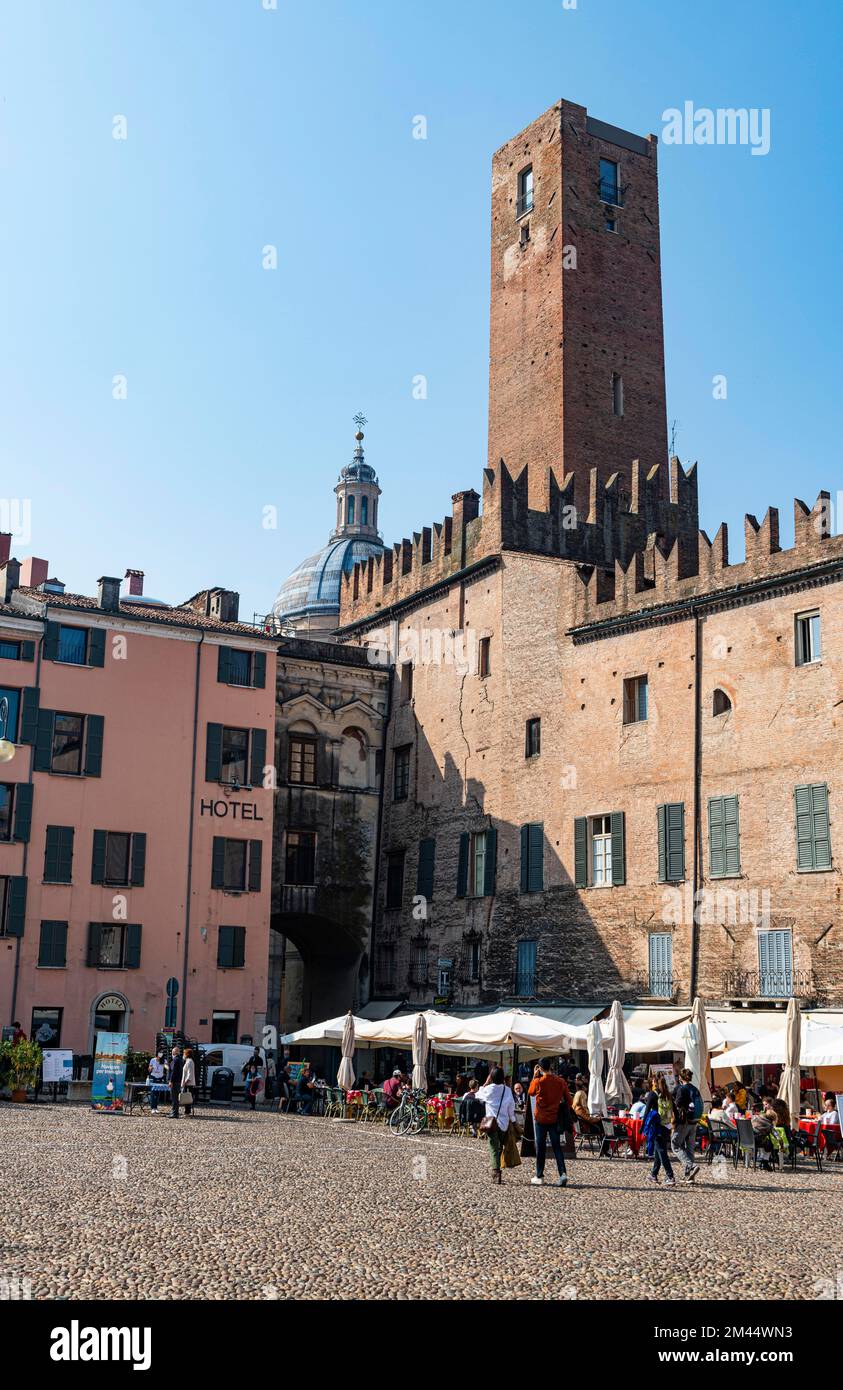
pixel 135 611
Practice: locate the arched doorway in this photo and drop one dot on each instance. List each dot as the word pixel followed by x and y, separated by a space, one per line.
pixel 109 1014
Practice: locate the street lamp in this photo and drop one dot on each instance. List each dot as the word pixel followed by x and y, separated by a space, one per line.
pixel 7 749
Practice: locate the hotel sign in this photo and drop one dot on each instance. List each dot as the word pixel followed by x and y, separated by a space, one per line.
pixel 231 810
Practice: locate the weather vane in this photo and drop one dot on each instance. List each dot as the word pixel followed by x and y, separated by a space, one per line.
pixel 360 420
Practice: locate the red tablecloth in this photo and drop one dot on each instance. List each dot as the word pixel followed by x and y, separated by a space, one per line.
pixel 810 1127
pixel 634 1129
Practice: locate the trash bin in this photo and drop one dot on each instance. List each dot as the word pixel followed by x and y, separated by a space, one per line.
pixel 222 1084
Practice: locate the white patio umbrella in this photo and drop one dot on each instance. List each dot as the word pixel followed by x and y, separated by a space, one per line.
pixel 618 1088
pixel 696 1048
pixel 345 1075
pixel 789 1085
pixel 420 1053
pixel 596 1094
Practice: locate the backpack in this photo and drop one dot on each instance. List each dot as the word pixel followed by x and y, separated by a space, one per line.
pixel 690 1114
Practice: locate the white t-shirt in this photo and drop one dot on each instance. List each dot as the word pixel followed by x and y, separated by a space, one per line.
pixel 500 1104
pixel 829 1117
pixel 156 1069
pixel 637 1110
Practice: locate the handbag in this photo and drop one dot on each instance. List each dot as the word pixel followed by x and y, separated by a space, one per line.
pixel 489 1123
pixel 510 1157
pixel 185 1097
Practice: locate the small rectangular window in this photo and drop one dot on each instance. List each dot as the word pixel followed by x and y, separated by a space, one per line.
pixel 406 681
pixel 234 865
pixel 617 394
pixel 808 643
pixel 525 191
pixel 117 857
pixel 10 651
pixel 635 700
pixel 610 223
pixel 7 796
pixel 610 182
pixel 418 964
pixel 12 698
pixel 525 969
pixel 401 774
pixel 477 864
pixel 302 760
pixel 300 861
pixel 72 645
pixel 68 735
pixel 224 1026
pixel 239 667
pixel 533 742
pixel 474 960
pixel 484 656
pixel 52 946
pixel 235 752
pixel 231 948
pixel 601 851
pixel 524 234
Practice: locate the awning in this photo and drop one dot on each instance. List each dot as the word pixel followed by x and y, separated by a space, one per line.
pixel 654 1018
pixel 381 1008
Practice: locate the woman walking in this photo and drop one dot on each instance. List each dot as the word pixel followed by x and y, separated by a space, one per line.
pixel 658 1117
pixel 500 1110
pixel 188 1079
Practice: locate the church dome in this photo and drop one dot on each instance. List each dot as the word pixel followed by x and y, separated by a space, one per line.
pixel 310 599
pixel 313 589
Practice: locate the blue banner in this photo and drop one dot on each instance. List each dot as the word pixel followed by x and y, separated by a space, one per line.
pixel 109 1079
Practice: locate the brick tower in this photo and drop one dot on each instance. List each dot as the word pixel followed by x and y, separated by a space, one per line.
pixel 576 362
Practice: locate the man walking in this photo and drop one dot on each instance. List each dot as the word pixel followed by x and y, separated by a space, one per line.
pixel 176 1072
pixel 550 1092
pixel 687 1102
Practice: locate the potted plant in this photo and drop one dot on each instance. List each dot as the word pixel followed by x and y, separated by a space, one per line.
pixel 22 1067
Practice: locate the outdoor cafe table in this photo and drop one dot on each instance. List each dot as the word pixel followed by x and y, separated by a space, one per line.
pixel 634 1130
pixel 810 1127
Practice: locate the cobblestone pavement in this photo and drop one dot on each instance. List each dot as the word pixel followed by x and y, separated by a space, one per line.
pixel 234 1205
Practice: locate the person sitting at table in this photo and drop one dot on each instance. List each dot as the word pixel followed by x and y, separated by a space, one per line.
pixel 579 1105
pixel 305 1087
pixel 392 1090
pixel 637 1108
pixel 781 1110
pixel 829 1114
pixel 460 1085
pixel 520 1102
pixel 762 1128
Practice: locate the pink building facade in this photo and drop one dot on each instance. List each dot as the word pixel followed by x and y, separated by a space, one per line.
pixel 135 814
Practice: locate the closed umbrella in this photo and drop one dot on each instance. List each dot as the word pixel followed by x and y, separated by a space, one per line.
pixel 697 1058
pixel 596 1094
pixel 420 1053
pixel 789 1084
pixel 345 1075
pixel 618 1088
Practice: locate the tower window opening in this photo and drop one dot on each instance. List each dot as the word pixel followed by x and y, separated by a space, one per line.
pixel 364 511
pixel 617 393
pixel 349 511
pixel 525 191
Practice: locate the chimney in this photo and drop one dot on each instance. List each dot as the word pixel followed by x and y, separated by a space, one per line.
pixel 135 578
pixel 33 572
pixel 108 594
pixel 224 605
pixel 9 578
pixel 5 546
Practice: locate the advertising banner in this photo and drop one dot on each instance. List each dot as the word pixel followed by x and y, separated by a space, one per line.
pixel 109 1077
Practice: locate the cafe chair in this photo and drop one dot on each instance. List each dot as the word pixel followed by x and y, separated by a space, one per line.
pixel 832 1145
pixel 748 1146
pixel 612 1140
pixel 587 1138
pixel 722 1139
pixel 803 1143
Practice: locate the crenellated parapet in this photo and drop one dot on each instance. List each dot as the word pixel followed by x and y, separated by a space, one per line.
pixel 675 569
pixel 616 531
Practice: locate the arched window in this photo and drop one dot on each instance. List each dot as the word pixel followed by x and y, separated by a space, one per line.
pixel 364 511
pixel 349 511
pixel 354 758
pixel 720 703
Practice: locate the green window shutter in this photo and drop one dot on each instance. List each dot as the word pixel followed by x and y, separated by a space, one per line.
pixel 257 756
pixel 138 860
pixel 536 877
pixel 618 848
pixel 424 874
pixel 52 946
pixel 23 811
pixel 225 947
pixel 16 909
pixel 581 852
pixel 813 840
pixel 44 741
pixel 132 953
pixel 27 651
pixel 716 838
pixel 93 955
pixel 462 867
pixel 218 862
pixel 239 949
pixel 671 819
pixel 732 835
pixel 95 728
pixel 29 714
pixel 58 854
pixel 259 670
pixel 213 753
pixel 525 859
pixel 52 632
pixel 490 867
pixel 96 646
pixel 98 857
pixel 255 861
pixel 224 665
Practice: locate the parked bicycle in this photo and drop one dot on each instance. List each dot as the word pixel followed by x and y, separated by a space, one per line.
pixel 410 1115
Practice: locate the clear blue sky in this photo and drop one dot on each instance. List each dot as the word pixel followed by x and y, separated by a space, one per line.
pixel 292 127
